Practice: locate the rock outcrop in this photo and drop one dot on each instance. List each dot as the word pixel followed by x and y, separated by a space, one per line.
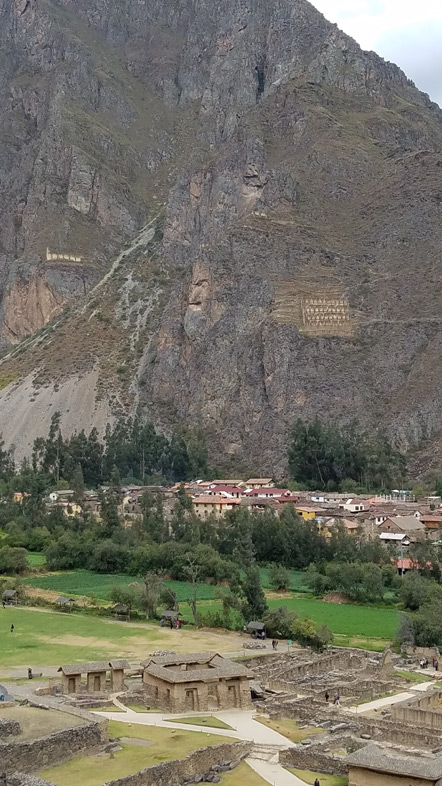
pixel 291 185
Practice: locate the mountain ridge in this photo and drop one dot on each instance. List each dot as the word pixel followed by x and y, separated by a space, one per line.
pixel 284 169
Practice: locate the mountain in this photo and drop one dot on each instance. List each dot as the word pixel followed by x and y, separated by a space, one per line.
pixel 224 214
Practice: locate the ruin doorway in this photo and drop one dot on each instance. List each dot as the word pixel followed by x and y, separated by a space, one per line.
pixel 212 698
pixel 71 685
pixel 191 699
pixel 97 683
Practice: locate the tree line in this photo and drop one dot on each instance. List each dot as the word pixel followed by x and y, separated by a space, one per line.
pixel 325 456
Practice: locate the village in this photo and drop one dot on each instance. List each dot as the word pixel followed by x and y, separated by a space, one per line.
pixel 396 518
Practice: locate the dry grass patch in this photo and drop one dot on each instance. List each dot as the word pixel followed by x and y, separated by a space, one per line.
pixel 165 744
pixel 289 728
pixel 37 723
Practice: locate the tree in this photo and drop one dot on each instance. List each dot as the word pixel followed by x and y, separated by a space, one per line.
pixel 279 622
pixel 78 485
pixel 416 591
pixel 254 604
pixel 109 557
pixel 193 571
pixel 148 593
pixel 306 633
pixel 279 577
pixel 13 560
pixel 126 596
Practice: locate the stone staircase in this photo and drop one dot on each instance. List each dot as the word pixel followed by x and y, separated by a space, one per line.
pixel 266 751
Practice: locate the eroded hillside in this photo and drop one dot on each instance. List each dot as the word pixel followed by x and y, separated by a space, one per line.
pixel 266 197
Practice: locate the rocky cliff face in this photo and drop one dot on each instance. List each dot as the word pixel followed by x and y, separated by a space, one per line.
pixel 276 192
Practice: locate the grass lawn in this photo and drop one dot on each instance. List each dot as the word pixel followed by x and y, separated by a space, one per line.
pixel 140 708
pixel 38 723
pixel 412 676
pixel 96 770
pixel 110 708
pixel 210 720
pixel 243 775
pixel 289 728
pixel 324 780
pixel 43 638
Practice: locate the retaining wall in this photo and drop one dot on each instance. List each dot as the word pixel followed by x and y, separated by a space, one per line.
pixel 9 727
pixel 36 754
pixel 310 758
pixel 180 771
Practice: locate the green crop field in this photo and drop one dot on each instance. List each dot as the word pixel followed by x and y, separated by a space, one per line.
pixel 350 620
pixel 36 560
pixel 86 583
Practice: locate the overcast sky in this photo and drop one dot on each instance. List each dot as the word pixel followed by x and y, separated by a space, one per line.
pixel 407 32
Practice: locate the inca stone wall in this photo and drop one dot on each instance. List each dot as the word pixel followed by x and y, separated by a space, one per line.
pixel 181 771
pixel 9 727
pixel 36 754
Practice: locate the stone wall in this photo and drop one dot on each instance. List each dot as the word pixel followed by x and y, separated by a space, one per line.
pixel 181 771
pixel 23 779
pixel 36 754
pixel 423 712
pixel 312 758
pixel 9 727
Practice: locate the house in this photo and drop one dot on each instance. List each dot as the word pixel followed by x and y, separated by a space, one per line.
pixel 69 509
pixel 19 496
pixel 225 491
pixel 431 521
pixel 199 681
pixel 309 514
pixel 354 505
pixel 374 765
pixel 394 537
pixel 228 482
pixel 408 525
pixel 96 676
pixel 207 504
pixel 270 491
pixel 258 483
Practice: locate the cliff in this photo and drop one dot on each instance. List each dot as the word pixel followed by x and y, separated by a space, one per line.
pixel 255 206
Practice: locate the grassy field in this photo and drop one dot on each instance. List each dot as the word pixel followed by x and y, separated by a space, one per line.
pixel 36 560
pixel 43 638
pixel 289 728
pixel 162 745
pixel 37 723
pixel 210 721
pixel 242 775
pixel 83 583
pixel 349 620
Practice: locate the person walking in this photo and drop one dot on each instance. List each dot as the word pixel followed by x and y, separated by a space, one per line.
pixel 316 783
pixel 336 700
pixel 327 696
pixel 12 628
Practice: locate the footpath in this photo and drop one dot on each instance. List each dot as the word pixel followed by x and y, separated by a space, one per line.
pixel 267 742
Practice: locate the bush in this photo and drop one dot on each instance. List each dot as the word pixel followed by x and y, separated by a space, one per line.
pixel 279 623
pixel 279 577
pixel 13 560
pixel 306 633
